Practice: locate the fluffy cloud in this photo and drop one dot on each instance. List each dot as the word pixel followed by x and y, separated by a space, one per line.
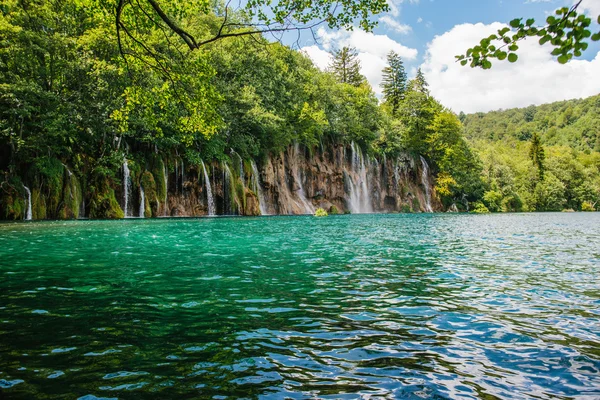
pixel 372 51
pixel 535 79
pixel 395 25
pixel 592 7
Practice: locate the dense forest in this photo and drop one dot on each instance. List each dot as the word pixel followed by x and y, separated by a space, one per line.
pixel 80 101
pixel 543 158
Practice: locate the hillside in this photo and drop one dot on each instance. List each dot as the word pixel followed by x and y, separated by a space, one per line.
pixel 569 135
pixel 573 123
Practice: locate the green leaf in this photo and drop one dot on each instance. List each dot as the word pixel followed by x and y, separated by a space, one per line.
pixel 596 37
pixel 464 62
pixel 563 59
pixel 515 23
pixel 545 39
pixel 513 47
pixel 530 22
pixel 512 57
pixel 502 55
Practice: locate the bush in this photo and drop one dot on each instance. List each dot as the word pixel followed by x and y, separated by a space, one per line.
pixel 333 210
pixel 587 206
pixel 321 213
pixel 480 208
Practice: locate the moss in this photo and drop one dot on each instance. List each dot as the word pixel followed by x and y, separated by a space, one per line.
pixel 406 209
pixel 333 210
pixel 39 208
pixel 103 203
pixel 150 194
pixel 416 205
pixel 158 172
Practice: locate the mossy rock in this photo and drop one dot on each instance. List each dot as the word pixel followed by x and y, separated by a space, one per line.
pixel 333 210
pixel 416 204
pixel 103 203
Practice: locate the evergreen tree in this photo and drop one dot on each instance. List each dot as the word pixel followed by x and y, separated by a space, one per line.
pixel 419 83
pixel 394 81
pixel 346 66
pixel 537 155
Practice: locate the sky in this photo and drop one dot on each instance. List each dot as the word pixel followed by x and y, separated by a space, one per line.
pixel 427 34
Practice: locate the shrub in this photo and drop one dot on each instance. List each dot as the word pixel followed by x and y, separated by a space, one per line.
pixel 480 208
pixel 321 213
pixel 587 206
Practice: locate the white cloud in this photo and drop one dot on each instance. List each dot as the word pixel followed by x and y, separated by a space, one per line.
pixel 372 51
pixel 395 25
pixel 535 79
pixel 592 7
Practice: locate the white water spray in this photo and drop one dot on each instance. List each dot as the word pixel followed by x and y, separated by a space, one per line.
pixel 29 215
pixel 211 200
pixel 262 202
pixel 359 201
pixel 126 187
pixel 308 207
pixel 166 177
pixel 142 202
pixel 425 182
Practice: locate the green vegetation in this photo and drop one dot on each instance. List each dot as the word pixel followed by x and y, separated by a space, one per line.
pixel 568 31
pixel 78 97
pixel 539 158
pixel 321 213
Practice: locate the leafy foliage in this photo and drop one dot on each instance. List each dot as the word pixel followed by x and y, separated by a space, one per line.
pixel 567 31
pixel 394 81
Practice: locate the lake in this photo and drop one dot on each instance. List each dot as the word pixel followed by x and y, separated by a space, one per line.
pixel 354 306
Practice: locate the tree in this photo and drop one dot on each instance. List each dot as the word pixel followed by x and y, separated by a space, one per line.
pixel 537 155
pixel 394 81
pixel 346 66
pixel 420 84
pixel 567 31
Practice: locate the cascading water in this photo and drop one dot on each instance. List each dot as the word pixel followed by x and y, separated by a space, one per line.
pixel 211 200
pixel 126 188
pixel 227 186
pixel 308 208
pixel 142 202
pixel 425 182
pixel 182 176
pixel 359 200
pixel 262 202
pixel 29 215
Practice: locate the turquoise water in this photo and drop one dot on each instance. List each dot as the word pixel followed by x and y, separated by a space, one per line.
pixel 396 306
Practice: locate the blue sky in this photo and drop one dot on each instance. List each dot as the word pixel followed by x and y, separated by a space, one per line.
pixel 428 33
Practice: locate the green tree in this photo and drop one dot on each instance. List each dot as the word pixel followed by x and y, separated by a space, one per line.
pixel 345 65
pixel 394 81
pixel 537 155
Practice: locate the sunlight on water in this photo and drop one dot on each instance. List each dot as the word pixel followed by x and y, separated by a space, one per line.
pixel 414 306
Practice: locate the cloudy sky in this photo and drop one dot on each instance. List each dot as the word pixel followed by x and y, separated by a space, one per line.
pixel 429 33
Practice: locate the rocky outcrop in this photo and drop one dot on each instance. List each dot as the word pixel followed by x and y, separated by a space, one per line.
pixel 299 180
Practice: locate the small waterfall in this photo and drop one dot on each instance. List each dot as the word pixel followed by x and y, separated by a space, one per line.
pixel 262 202
pixel 126 188
pixel 166 177
pixel 227 200
pixel 176 178
pixel 211 200
pixel 29 215
pixel 142 202
pixel 359 201
pixel 308 208
pixel 241 167
pixel 425 182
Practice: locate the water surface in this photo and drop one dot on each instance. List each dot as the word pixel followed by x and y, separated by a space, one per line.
pixel 379 306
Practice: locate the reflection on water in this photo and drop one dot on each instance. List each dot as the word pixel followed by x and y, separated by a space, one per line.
pixel 414 306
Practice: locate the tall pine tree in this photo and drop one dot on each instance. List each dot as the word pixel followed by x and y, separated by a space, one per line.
pixel 419 83
pixel 537 155
pixel 394 81
pixel 346 66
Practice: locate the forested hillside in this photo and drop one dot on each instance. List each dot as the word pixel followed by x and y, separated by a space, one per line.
pixel 542 158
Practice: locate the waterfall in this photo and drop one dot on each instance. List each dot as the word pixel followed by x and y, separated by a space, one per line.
pixel 308 208
pixel 142 202
pixel 359 201
pixel 29 215
pixel 176 178
pixel 126 187
pixel 262 202
pixel 425 182
pixel 211 200
pixel 241 167
pixel 227 209
pixel 166 177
